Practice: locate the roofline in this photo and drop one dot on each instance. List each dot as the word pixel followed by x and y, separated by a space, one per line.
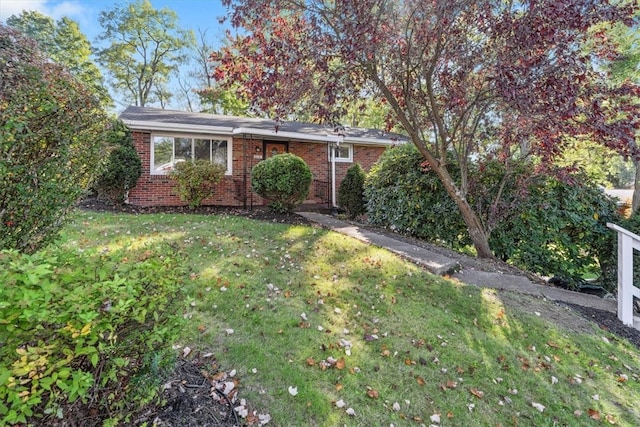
pixel 147 125
pixel 226 130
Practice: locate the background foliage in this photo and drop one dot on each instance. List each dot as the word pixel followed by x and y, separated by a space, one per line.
pixel 52 133
pixel 284 180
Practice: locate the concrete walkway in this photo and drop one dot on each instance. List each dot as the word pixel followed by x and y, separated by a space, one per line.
pixel 440 264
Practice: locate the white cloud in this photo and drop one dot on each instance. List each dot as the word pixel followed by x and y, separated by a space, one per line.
pixel 70 8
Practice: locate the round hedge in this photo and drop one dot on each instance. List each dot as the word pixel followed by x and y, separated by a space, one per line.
pixel 284 180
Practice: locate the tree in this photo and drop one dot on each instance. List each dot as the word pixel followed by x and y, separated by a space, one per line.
pixel 146 46
pixel 625 69
pixel 52 133
pixel 65 44
pixel 466 80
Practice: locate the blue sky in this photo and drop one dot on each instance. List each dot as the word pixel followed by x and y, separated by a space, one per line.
pixel 193 14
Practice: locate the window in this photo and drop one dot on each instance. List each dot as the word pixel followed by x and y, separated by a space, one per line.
pixel 343 153
pixel 169 150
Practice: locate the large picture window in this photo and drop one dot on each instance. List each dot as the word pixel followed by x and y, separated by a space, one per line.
pixel 169 150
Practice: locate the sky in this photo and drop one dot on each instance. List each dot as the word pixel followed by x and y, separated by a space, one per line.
pixel 192 14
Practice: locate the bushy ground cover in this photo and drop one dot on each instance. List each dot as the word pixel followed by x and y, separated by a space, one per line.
pixel 323 330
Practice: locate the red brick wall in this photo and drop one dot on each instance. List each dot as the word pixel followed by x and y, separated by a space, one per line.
pixel 158 190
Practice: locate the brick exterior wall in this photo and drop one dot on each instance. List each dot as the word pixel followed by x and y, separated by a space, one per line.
pixel 235 189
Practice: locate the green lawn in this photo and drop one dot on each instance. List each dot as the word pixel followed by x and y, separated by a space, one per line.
pixel 354 329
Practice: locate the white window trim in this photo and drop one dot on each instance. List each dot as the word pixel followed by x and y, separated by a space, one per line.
pixel 342 159
pixel 229 140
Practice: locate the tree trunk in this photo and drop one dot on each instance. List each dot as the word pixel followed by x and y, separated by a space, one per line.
pixel 476 231
pixel 635 203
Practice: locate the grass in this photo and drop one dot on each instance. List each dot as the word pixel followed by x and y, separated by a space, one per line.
pixel 276 302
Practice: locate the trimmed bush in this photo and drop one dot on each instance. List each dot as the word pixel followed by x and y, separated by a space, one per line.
pixel 351 192
pixel 284 180
pixel 87 330
pixel 195 180
pixel 52 133
pixel 123 166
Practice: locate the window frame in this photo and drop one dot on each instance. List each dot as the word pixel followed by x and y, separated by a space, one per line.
pixel 193 137
pixel 337 159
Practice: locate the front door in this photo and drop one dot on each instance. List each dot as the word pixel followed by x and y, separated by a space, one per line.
pixel 274 148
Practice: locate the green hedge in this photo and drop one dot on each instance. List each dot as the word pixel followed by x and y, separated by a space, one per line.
pixel 551 224
pixel 284 180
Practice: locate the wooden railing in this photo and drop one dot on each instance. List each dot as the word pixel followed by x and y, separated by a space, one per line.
pixel 627 243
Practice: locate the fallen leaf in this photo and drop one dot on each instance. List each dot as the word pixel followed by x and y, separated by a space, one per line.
pixel 623 378
pixel 310 361
pixel 538 406
pixel 477 393
pixel 202 328
pixel 339 387
pixel 372 393
pixel 264 418
pixel 610 419
pixel 340 364
pixel 420 380
pixel 593 414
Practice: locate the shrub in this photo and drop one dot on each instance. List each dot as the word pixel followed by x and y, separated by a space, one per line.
pixel 195 180
pixel 543 224
pixel 123 166
pixel 351 192
pixel 559 230
pixel 405 197
pixel 284 180
pixel 51 143
pixel 85 330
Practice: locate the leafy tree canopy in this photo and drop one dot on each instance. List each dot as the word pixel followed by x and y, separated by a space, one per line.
pixel 145 47
pixel 466 80
pixel 65 44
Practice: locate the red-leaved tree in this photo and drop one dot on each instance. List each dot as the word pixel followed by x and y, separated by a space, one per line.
pixel 465 79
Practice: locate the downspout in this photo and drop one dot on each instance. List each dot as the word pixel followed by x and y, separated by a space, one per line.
pixel 332 150
pixel 244 171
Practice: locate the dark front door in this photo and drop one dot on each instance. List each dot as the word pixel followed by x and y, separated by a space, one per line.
pixel 273 148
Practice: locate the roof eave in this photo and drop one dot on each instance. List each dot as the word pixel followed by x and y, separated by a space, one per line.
pixel 177 127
